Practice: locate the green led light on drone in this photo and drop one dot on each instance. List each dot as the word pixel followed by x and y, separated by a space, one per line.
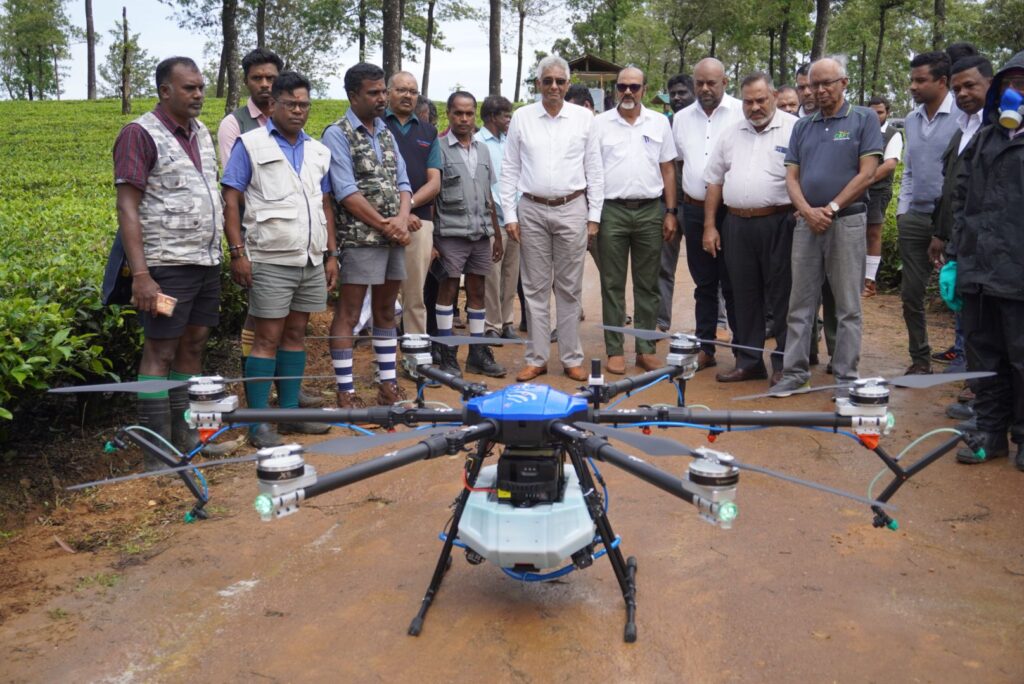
pixel 727 512
pixel 264 505
pixel 890 421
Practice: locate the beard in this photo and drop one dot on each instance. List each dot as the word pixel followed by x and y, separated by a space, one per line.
pixel 628 104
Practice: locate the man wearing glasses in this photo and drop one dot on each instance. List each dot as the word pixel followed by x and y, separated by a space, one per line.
pixel 553 158
pixel 639 168
pixel 287 259
pixel 831 161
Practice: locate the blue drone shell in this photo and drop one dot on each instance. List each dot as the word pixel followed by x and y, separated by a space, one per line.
pixel 527 403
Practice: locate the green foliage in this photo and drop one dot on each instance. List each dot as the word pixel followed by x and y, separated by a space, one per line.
pixel 889 270
pixel 34 36
pixel 140 63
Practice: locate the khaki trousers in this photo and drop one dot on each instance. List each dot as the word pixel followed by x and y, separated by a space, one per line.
pixel 417 261
pixel 500 293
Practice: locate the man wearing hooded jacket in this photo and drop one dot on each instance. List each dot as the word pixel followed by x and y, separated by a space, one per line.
pixel 986 253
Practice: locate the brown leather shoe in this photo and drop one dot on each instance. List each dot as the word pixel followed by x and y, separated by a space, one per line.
pixel 576 373
pixel 776 379
pixel 616 365
pixel 742 374
pixel 531 372
pixel 918 369
pixel 350 400
pixel 649 362
pixel 705 360
pixel 389 393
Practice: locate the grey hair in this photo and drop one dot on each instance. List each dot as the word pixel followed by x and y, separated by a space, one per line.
pixel 552 61
pixel 840 61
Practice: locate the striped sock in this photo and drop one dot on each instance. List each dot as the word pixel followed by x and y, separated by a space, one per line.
pixel 445 315
pixel 341 359
pixel 476 321
pixel 386 351
pixel 246 340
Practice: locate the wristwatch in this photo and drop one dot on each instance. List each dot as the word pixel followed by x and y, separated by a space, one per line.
pixel 672 210
pixel 332 253
pixel 834 207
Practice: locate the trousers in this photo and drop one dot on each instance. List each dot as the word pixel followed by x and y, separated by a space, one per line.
pixel 709 274
pixel 994 341
pixel 915 234
pixel 417 261
pixel 500 293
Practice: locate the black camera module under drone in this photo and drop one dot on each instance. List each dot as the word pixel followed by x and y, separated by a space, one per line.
pixel 541 510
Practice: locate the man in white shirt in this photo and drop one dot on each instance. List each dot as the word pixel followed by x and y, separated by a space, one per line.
pixel 639 167
pixel 553 158
pixel 880 192
pixel 747 173
pixel 696 129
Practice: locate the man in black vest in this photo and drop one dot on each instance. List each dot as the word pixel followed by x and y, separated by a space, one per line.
pixel 417 142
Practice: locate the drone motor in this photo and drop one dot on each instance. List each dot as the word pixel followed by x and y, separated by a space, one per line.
pixel 682 352
pixel 713 480
pixel 868 401
pixel 416 350
pixel 282 473
pixel 208 400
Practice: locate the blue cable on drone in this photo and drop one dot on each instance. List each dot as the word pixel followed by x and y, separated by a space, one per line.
pixel 637 391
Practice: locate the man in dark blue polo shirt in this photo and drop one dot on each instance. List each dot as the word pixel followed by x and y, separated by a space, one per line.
pixel 830 163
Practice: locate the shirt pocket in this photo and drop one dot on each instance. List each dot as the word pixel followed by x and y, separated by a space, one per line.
pixel 614 147
pixel 652 143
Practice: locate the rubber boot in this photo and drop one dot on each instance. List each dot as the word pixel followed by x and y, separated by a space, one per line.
pixel 154 414
pixel 183 437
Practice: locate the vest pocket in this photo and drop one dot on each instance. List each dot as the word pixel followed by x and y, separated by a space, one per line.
pixel 451 190
pixel 277 230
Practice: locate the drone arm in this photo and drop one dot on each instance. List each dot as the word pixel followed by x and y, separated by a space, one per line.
pixel 637 381
pixel 468 390
pixel 729 419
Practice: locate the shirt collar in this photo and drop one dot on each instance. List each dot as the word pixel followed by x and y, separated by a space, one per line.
pixel 843 112
pixel 254 111
pixel 378 123
pixel 963 119
pixel 562 113
pixel 453 141
pixel 776 122
pixel 945 108
pixel 193 125
pixel 645 114
pixel 485 134
pixel 272 129
pixel 390 114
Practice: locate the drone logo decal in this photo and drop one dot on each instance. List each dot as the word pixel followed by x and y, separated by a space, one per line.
pixel 521 394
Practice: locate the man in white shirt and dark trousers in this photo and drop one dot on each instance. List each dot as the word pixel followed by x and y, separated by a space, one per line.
pixel 639 168
pixel 747 173
pixel 553 158
pixel 696 129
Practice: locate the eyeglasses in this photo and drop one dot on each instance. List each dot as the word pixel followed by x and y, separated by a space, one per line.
pixel 296 105
pixel 631 87
pixel 547 81
pixel 822 85
pixel 406 91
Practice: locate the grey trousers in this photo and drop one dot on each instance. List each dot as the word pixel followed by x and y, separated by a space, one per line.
pixel 667 276
pixel 553 244
pixel 837 255
pixel 501 285
pixel 915 234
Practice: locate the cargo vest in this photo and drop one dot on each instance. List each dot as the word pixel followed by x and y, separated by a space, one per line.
pixel 887 135
pixel 377 181
pixel 245 120
pixel 463 207
pixel 181 212
pixel 284 215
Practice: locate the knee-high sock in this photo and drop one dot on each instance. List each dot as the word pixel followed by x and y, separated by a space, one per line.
pixel 341 359
pixel 290 363
pixel 476 321
pixel 259 392
pixel 444 315
pixel 386 351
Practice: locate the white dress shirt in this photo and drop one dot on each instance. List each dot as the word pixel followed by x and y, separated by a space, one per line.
pixel 894 148
pixel 632 153
pixel 696 133
pixel 550 157
pixel 969 124
pixel 750 165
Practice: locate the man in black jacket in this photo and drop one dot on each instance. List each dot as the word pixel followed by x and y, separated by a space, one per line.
pixel 987 245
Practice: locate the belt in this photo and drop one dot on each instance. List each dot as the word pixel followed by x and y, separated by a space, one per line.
pixel 632 203
pixel 695 202
pixel 555 201
pixel 761 211
pixel 855 208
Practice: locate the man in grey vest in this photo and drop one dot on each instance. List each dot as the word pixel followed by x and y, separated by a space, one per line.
pixel 259 68
pixel 286 259
pixel 171 223
pixel 465 223
pixel 371 214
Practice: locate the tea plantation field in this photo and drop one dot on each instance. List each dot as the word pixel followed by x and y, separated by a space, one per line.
pixel 57 221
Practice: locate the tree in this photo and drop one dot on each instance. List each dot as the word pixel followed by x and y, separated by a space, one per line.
pixel 34 37
pixel 391 37
pixel 939 25
pixel 821 18
pixel 90 40
pixel 141 66
pixel 229 53
pixel 525 12
pixel 494 74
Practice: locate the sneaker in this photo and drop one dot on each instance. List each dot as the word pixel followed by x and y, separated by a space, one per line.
pixel 958 411
pixel 263 436
pixel 947 356
pixel 787 387
pixel 918 369
pixel 304 428
pixel 389 393
pixel 481 361
pixel 991 445
pixel 958 365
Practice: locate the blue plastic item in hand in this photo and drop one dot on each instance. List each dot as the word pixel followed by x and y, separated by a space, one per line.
pixel 947 287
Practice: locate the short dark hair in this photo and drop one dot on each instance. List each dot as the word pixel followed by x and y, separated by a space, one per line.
pixel 937 62
pixel 261 56
pixel 879 100
pixel 785 87
pixel 578 94
pixel 424 102
pixel 957 51
pixel 458 94
pixel 753 78
pixel 804 69
pixel 164 68
pixel 494 104
pixel 287 82
pixel 978 62
pixel 685 79
pixel 364 71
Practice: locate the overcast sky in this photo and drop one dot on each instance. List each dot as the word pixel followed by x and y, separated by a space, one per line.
pixel 466 65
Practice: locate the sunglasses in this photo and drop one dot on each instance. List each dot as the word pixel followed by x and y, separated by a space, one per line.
pixel 631 87
pixel 549 80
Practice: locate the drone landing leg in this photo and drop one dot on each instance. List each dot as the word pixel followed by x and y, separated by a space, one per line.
pixel 904 474
pixel 444 561
pixel 625 570
pixel 172 462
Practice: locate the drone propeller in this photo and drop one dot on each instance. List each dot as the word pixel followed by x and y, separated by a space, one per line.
pixel 161 385
pixel 661 446
pixel 655 335
pixel 165 471
pixel 904 381
pixel 450 340
pixel 349 446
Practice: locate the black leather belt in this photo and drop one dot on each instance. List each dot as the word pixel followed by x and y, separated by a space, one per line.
pixel 632 203
pixel 855 208
pixel 553 201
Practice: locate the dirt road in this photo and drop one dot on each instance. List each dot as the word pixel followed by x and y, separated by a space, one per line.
pixel 802 589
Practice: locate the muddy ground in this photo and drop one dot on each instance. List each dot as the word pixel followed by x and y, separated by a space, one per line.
pixel 111 584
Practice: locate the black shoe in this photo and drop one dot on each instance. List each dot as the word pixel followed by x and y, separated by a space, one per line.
pixel 522 326
pixel 435 353
pixel 304 428
pixel 263 436
pixel 449 360
pixel 1018 460
pixel 812 360
pixel 481 361
pixel 492 333
pixel 991 445
pixel 508 332
pixel 828 368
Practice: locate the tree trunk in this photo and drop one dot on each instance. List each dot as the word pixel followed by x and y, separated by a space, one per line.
pixel 261 24
pixel 878 48
pixel 56 75
pixel 939 25
pixel 229 30
pixel 863 68
pixel 494 74
pixel 771 56
pixel 428 44
pixel 784 48
pixel 362 30
pixel 711 51
pixel 391 52
pixel 126 71
pixel 90 40
pixel 221 74
pixel 519 51
pixel 820 29
pixel 401 32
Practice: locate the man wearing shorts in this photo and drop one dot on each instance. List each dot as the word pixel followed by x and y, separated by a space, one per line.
pixel 466 222
pixel 170 219
pixel 287 259
pixel 371 214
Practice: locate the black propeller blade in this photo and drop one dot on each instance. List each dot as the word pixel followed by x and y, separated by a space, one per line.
pixel 349 446
pixel 661 446
pixel 166 471
pixel 655 335
pixel 455 340
pixel 161 385
pixel 903 381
